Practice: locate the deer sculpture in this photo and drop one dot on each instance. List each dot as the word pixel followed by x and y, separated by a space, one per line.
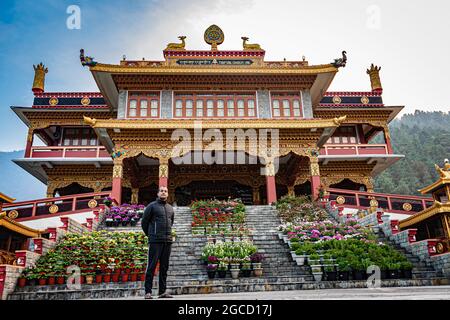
pixel 248 46
pixel 177 46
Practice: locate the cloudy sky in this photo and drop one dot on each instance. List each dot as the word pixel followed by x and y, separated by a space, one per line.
pixel 409 39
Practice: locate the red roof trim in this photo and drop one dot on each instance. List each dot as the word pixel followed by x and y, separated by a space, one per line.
pixel 352 94
pixel 209 53
pixel 71 107
pixel 351 105
pixel 69 95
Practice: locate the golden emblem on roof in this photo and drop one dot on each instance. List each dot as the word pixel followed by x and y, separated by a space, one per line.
pixel 177 46
pixel 250 46
pixel 214 36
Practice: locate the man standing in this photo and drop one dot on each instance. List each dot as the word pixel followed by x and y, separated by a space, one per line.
pixel 157 223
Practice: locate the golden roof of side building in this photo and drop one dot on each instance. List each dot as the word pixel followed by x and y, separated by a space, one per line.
pixel 5 198
pixel 444 178
pixel 15 226
pixel 435 209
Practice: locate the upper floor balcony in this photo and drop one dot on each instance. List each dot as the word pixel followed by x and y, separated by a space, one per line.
pixel 353 149
pixel 69 152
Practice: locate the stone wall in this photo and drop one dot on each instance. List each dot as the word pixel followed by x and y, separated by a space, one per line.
pixel 8 279
pixel 441 262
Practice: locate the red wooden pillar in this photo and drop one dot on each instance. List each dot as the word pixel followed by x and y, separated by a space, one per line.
pixel 315 177
pixel 116 192
pixel 29 143
pixel 163 173
pixel 271 189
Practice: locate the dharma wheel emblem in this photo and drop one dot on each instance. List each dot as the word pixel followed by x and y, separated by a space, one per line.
pixel 13 214
pixel 53 101
pixel 92 203
pixel 340 200
pixel 85 101
pixel 373 203
pixel 214 36
pixel 364 100
pixel 407 206
pixel 337 100
pixel 53 208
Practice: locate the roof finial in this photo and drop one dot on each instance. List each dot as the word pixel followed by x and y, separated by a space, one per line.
pixel 39 78
pixel 340 62
pixel 85 60
pixel 374 73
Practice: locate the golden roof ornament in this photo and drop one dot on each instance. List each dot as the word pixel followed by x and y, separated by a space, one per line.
pixel 340 62
pixel 39 78
pixel 445 171
pixel 214 36
pixel 177 46
pixel 375 82
pixel 249 46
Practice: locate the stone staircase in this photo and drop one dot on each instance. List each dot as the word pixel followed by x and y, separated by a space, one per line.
pixel 421 269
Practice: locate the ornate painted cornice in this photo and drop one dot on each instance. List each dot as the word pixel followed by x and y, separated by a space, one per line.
pixel 18 227
pixel 214 124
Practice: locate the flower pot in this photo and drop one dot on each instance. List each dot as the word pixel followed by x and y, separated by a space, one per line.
pixel 394 274
pixel 256 265
pixel 128 270
pixel 407 274
pixel 317 276
pixel 98 278
pixel 343 275
pixel 125 277
pixel 51 281
pixel 82 280
pixel 142 277
pixel 235 273
pixel 211 274
pixel 115 277
pixel 258 272
pixel 134 277
pixel 107 278
pixel 359 275
pixel 300 260
pixel 331 275
pixel 22 282
pixel 89 279
pixel 60 280
pixel 222 273
pixel 234 266
pixel 246 272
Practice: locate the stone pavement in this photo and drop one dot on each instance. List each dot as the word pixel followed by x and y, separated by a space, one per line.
pixel 388 293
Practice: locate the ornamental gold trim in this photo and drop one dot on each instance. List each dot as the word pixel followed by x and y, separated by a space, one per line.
pixel 92 203
pixel 365 100
pixel 13 214
pixel 218 124
pixel 340 200
pixel 373 203
pixel 337 100
pixel 85 101
pixel 53 101
pixel 407 206
pixel 53 208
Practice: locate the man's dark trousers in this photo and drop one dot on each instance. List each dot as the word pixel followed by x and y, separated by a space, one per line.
pixel 157 251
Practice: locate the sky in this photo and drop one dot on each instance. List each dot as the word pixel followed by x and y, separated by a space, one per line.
pixel 410 40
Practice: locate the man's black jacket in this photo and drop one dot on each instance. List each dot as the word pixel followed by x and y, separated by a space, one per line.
pixel 157 221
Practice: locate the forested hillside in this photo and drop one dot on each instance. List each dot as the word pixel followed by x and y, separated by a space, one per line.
pixel 424 139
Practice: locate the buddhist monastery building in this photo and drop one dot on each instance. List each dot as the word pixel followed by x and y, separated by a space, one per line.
pixel 125 139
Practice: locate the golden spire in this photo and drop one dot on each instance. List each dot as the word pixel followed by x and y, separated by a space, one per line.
pixel 39 78
pixel 374 73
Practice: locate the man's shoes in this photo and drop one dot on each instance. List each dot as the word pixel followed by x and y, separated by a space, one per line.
pixel 165 295
pixel 148 296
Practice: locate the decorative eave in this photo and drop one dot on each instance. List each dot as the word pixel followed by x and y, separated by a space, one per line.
pixel 429 212
pixel 215 124
pixel 4 198
pixel 12 225
pixel 436 185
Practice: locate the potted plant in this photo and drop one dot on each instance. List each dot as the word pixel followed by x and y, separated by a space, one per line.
pixel 235 273
pixel 222 269
pixel 330 272
pixel 107 201
pixel 22 281
pixel 406 268
pixel 90 277
pixel 256 260
pixel 394 270
pixel 211 270
pixel 344 269
pixel 51 279
pixel 246 267
pixel 314 259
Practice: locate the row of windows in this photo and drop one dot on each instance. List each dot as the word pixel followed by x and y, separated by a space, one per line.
pixel 79 137
pixel 213 105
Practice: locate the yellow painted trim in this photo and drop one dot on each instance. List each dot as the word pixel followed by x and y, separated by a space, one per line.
pixel 305 70
pixel 6 198
pixel 18 227
pixel 431 187
pixel 210 123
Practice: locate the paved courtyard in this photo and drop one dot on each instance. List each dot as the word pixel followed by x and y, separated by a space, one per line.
pixel 396 293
